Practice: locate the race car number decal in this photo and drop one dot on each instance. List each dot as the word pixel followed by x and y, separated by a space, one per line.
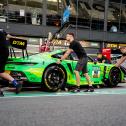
pixel 95 72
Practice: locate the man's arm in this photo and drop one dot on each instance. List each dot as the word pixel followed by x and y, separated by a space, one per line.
pixel 120 61
pixel 67 53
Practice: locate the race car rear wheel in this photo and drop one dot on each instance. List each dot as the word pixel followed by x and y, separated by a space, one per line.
pixel 114 77
pixel 54 78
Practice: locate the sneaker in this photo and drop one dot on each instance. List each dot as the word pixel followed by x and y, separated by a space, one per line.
pixel 66 89
pixel 76 90
pixel 1 94
pixel 17 85
pixel 18 88
pixel 90 89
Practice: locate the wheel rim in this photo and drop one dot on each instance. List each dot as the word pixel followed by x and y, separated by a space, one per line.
pixel 115 76
pixel 54 77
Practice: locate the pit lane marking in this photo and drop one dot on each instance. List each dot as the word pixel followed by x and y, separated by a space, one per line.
pixel 58 94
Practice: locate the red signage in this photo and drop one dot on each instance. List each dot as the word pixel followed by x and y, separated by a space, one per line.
pixel 107 53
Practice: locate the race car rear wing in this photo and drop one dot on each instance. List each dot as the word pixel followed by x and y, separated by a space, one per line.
pixel 19 44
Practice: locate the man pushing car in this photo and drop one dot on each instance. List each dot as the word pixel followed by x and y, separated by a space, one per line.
pixel 4 53
pixel 77 48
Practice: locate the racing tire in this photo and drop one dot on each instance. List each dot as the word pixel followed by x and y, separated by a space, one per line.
pixel 54 78
pixel 114 77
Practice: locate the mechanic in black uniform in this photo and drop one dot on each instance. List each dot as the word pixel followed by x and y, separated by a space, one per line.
pixel 102 59
pixel 123 58
pixel 76 47
pixel 4 53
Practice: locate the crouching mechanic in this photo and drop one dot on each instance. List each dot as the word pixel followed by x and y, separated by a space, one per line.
pixel 123 58
pixel 76 47
pixel 4 53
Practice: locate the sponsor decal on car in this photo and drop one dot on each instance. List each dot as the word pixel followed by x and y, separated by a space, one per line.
pixel 95 72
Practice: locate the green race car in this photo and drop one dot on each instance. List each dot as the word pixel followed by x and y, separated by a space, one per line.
pixel 42 69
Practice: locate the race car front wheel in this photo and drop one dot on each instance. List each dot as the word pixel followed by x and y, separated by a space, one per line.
pixel 114 77
pixel 54 78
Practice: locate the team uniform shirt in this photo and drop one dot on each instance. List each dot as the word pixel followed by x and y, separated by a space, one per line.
pixel 3 42
pixel 82 56
pixel 4 51
pixel 78 49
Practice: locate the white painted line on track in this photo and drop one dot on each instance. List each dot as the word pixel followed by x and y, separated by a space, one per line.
pixel 61 94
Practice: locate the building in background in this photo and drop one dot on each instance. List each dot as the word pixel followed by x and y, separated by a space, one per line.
pixel 94 20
